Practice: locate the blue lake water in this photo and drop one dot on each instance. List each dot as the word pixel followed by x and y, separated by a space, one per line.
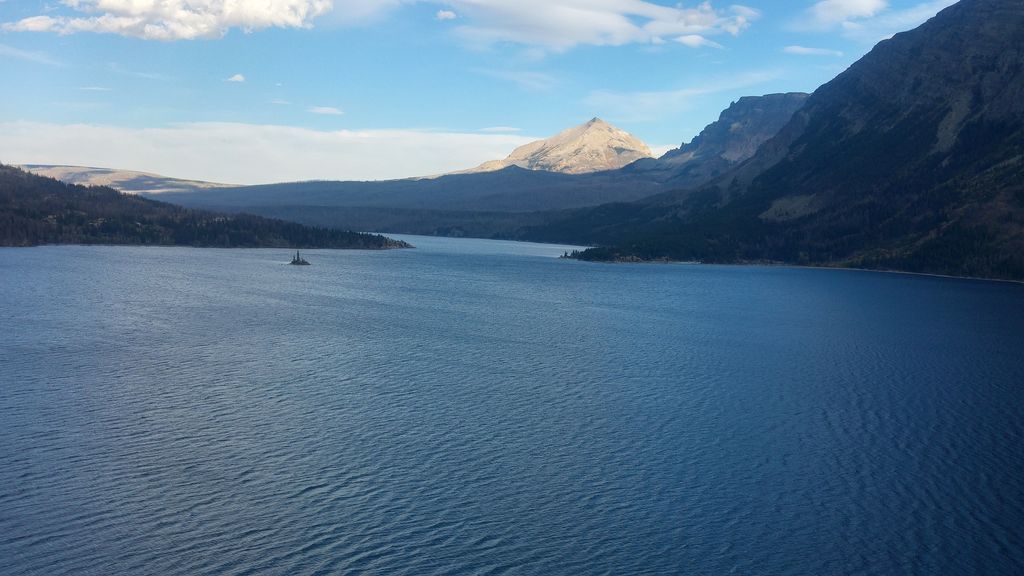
pixel 476 407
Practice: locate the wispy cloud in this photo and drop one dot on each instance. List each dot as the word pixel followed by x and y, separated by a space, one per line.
pixel 235 78
pixel 805 51
pixel 555 25
pixel 253 153
pixel 174 19
pixel 558 25
pixel 697 41
pixel 562 24
pixel 890 22
pixel 525 79
pixel 657 105
pixel 27 55
pixel 94 89
pixel 280 102
pixel 829 13
pixel 867 21
pixel 325 110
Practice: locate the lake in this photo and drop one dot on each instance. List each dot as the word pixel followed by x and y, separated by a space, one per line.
pixel 479 407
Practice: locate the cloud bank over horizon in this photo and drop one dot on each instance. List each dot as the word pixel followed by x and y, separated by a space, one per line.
pixel 236 153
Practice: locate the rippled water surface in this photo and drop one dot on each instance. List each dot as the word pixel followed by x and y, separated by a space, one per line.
pixel 475 407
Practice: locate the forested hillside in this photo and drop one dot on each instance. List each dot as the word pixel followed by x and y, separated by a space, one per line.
pixel 38 210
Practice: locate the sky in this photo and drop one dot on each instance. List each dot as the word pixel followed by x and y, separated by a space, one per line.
pixel 257 91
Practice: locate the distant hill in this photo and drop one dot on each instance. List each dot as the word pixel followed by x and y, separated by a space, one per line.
pixel 497 203
pixel 511 189
pixel 123 180
pixel 569 170
pixel 912 159
pixel 591 147
pixel 39 210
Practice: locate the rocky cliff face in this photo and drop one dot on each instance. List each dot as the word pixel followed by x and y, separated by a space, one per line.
pixel 590 147
pixel 734 137
pixel 740 130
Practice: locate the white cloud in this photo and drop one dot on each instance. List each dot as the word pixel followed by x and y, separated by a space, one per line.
pixel 280 102
pixel 235 78
pixel 552 24
pixel 252 154
pixel 94 89
pixel 696 41
pixel 805 51
pixel 27 55
pixel 890 22
pixel 563 24
pixel 658 105
pixel 525 79
pixel 175 19
pixel 33 24
pixel 828 13
pixel 868 21
pixel 325 110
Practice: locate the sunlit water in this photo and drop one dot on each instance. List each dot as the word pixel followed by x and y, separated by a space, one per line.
pixel 475 407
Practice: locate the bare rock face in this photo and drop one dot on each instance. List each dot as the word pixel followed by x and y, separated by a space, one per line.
pixel 590 147
pixel 722 145
pixel 741 129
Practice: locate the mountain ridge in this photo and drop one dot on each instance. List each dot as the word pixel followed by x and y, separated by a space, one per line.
pixel 734 137
pixel 471 203
pixel 128 181
pixel 912 159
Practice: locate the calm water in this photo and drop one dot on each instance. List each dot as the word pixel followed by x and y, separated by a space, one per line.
pixel 478 407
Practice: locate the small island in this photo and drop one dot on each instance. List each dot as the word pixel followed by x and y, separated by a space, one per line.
pixel 299 260
pixel 37 210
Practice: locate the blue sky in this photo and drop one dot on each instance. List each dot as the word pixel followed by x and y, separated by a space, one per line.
pixel 269 90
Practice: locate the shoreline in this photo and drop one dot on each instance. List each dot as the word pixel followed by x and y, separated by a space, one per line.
pixel 799 266
pixel 106 245
pixel 659 262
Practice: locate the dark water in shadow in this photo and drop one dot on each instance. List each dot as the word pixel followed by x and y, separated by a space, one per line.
pixel 475 407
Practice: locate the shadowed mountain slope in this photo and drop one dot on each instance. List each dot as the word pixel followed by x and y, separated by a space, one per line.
pixel 912 159
pixel 737 134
